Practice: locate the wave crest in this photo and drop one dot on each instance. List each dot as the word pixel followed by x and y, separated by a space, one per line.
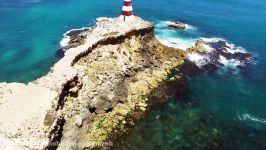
pixel 163 24
pixel 216 52
pixel 67 36
pixel 251 118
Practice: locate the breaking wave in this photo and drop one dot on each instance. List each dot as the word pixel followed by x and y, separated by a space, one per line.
pixel 230 47
pixel 199 59
pixel 163 24
pixel 218 51
pixel 180 43
pixel 181 39
pixel 252 119
pixel 67 36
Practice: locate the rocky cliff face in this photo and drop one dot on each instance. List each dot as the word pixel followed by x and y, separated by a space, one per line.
pixel 115 81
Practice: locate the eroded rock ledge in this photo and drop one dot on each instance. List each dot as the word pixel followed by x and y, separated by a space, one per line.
pixel 94 92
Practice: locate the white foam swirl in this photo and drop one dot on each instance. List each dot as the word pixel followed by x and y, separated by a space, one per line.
pixel 180 43
pixel 248 117
pixel 166 23
pixel 198 59
pixel 66 39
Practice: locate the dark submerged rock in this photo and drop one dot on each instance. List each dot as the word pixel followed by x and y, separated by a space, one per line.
pixel 221 49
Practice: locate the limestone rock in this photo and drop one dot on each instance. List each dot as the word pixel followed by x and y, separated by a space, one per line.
pixel 177 25
pixel 78 121
pixel 49 117
pixel 104 61
pixel 142 108
pixel 122 112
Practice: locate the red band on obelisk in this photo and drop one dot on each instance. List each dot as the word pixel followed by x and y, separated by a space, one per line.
pixel 127 13
pixel 127 4
pixel 127 10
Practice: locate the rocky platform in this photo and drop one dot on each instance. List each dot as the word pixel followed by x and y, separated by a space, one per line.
pixel 95 92
pixel 57 110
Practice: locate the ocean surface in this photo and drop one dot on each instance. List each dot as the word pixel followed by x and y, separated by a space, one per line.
pixel 226 109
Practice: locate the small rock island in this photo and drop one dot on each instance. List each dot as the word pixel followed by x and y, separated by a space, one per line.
pixel 177 25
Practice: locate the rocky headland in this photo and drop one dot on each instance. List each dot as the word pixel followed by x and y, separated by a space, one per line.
pixel 108 78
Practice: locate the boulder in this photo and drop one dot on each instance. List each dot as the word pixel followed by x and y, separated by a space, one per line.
pixel 122 112
pixel 78 121
pixel 177 25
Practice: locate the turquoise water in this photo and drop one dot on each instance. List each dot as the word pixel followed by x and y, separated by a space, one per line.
pixel 30 31
pixel 226 110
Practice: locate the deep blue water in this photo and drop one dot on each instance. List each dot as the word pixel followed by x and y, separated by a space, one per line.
pixel 225 108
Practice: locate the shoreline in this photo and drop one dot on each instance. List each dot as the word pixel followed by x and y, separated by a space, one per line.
pixel 71 99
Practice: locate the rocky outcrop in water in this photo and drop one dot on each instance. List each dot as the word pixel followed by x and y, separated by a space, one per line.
pixel 177 25
pixel 211 54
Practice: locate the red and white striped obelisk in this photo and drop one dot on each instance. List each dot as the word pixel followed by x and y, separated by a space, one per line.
pixel 127 11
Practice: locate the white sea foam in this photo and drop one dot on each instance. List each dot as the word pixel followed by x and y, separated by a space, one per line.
pixel 190 27
pixel 229 62
pixel 230 65
pixel 199 59
pixel 166 23
pixel 66 39
pixel 210 40
pixel 208 48
pixel 163 24
pixel 174 39
pixel 248 117
pixel 234 49
pixel 230 47
pixel 177 42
